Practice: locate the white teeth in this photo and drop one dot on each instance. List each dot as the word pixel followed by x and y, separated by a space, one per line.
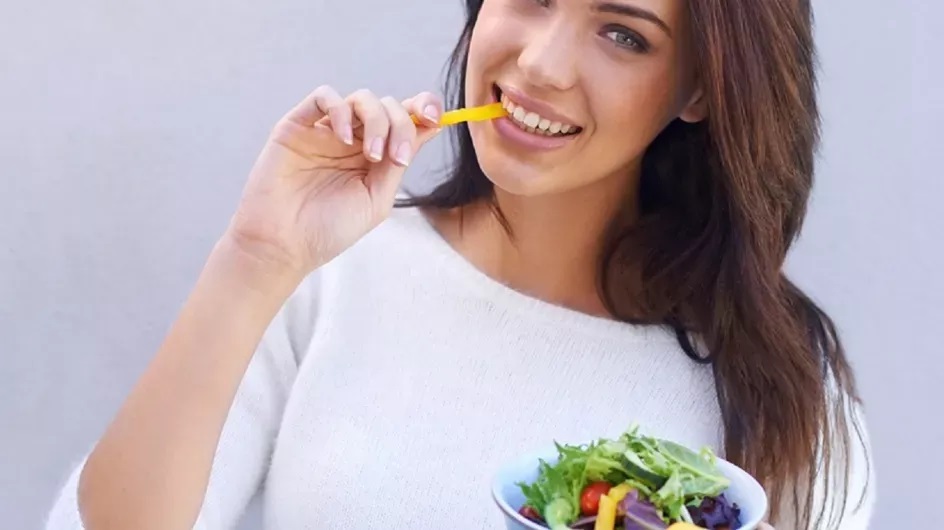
pixel 533 122
pixel 509 106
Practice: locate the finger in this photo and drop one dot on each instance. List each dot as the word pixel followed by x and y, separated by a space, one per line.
pixel 427 107
pixel 330 102
pixel 315 107
pixel 765 526
pixel 370 112
pixel 324 101
pixel 307 112
pixel 402 132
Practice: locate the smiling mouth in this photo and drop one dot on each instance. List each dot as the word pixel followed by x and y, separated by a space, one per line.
pixel 533 122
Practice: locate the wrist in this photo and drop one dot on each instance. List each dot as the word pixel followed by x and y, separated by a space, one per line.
pixel 267 274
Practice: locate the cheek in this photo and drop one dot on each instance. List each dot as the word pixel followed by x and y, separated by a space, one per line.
pixel 481 55
pixel 631 105
pixel 493 48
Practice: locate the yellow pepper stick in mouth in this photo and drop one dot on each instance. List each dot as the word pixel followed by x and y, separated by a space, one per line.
pixel 483 113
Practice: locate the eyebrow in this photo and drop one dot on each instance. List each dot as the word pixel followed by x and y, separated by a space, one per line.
pixel 633 11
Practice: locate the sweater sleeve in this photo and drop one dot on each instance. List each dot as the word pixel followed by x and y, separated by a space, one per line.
pixel 249 433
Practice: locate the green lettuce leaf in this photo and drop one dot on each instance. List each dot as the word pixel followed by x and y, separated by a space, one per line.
pixel 556 492
pixel 670 498
pixel 667 474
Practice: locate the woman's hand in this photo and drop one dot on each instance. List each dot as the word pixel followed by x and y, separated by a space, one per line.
pixel 328 174
pixel 765 526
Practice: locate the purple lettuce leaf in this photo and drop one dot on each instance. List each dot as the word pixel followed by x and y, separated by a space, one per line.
pixel 640 513
pixel 584 523
pixel 716 513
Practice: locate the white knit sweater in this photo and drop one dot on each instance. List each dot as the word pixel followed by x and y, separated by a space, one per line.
pixel 399 377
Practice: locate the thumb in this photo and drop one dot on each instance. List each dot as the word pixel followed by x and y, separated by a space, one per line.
pixel 424 135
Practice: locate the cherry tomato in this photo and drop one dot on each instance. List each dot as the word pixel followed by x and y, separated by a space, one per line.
pixel 530 513
pixel 590 498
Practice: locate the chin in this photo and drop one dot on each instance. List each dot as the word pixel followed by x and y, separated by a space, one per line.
pixel 518 187
pixel 515 177
pixel 508 171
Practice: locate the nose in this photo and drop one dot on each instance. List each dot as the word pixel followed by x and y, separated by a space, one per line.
pixel 548 58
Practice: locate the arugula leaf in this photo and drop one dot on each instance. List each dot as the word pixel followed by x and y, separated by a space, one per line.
pixel 645 490
pixel 670 498
pixel 605 462
pixel 703 478
pixel 649 452
pixel 700 463
pixel 639 470
pixel 700 487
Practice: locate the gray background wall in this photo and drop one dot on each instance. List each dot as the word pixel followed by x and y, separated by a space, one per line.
pixel 127 128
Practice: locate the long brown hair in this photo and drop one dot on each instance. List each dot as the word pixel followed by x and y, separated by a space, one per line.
pixel 721 203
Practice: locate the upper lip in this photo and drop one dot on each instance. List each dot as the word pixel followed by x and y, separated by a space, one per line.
pixel 545 110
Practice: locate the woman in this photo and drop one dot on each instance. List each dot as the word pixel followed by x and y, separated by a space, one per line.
pixel 611 252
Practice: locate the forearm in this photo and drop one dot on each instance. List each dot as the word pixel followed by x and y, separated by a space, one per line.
pixel 151 468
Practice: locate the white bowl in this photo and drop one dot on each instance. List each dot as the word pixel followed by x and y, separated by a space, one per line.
pixel 744 490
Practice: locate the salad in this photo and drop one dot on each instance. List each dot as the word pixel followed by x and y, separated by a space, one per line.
pixel 635 482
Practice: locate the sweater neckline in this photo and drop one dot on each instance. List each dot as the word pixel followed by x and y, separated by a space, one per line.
pixel 524 304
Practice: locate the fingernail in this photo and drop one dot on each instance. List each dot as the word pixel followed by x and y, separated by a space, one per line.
pixel 376 149
pixel 403 153
pixel 348 135
pixel 431 113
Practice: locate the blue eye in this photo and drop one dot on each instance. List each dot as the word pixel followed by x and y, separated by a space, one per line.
pixel 627 39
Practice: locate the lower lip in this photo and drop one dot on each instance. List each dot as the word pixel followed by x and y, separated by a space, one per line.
pixel 511 132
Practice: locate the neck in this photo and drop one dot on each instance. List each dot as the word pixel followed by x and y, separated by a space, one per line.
pixel 555 242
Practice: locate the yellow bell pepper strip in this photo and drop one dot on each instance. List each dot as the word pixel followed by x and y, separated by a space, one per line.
pixel 684 526
pixel 482 113
pixel 606 517
pixel 617 493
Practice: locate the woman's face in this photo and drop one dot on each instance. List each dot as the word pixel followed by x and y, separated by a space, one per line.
pixel 590 84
